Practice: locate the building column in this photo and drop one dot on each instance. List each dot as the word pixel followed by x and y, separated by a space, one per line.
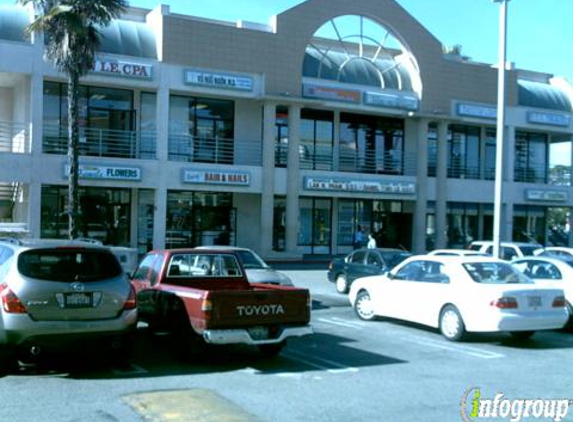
pixel 441 185
pixel 293 170
pixel 508 175
pixel 268 178
pixel 162 122
pixel 420 210
pixel 36 134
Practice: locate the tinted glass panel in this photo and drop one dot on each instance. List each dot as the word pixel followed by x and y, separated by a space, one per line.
pixel 69 265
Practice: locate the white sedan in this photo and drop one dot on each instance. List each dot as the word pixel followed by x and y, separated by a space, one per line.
pixel 552 271
pixel 459 295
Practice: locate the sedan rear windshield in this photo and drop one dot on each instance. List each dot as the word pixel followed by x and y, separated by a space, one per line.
pixel 69 264
pixel 495 273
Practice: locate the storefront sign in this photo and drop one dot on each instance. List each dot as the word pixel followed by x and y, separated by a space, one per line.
pixel 87 171
pixel 240 178
pixel 473 110
pixel 330 93
pixel 551 119
pixel 394 100
pixel 546 195
pixel 367 186
pixel 218 80
pixel 123 68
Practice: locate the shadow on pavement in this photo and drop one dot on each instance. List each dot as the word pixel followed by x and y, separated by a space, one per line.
pixel 159 356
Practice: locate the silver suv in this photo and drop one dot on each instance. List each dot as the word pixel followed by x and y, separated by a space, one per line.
pixel 61 295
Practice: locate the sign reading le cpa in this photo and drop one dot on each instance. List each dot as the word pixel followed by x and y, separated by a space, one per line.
pixel 114 67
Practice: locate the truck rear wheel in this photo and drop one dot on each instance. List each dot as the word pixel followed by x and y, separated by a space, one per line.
pixel 272 350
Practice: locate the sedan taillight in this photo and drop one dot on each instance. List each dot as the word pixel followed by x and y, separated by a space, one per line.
pixel 10 302
pixel 559 302
pixel 130 303
pixel 506 302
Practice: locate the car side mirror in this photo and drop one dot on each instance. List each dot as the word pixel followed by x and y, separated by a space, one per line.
pixel 389 275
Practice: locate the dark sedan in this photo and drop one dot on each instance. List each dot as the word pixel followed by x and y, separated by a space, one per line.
pixel 363 263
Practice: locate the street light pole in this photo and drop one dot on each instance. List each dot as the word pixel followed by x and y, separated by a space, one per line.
pixel 500 131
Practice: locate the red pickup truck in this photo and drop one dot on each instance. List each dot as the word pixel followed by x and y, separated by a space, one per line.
pixel 206 293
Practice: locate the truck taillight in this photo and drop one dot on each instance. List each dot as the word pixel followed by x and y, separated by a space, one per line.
pixel 10 302
pixel 207 305
pixel 131 302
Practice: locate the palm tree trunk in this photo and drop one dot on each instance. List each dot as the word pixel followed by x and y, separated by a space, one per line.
pixel 73 140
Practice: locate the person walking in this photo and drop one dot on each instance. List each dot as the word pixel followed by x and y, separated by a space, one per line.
pixel 371 242
pixel 358 238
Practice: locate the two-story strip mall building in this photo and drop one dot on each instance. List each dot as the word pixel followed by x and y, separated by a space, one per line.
pixel 286 137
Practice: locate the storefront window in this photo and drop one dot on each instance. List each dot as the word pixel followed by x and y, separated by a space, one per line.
pixel 281 137
pixel 145 212
pixel 462 224
pixel 463 152
pixel 148 124
pixel 371 144
pixel 201 130
pixel 529 223
pixel 104 214
pixel 490 154
pixel 316 139
pixel 432 150
pixel 315 225
pixel 200 218
pixel 106 120
pixel 531 151
pixel 387 221
pixel 279 223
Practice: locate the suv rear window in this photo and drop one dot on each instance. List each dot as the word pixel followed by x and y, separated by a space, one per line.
pixel 69 264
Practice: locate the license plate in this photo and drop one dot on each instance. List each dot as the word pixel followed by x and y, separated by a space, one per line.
pixel 259 333
pixel 78 300
pixel 534 301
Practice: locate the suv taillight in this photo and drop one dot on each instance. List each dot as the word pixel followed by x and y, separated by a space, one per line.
pixel 131 302
pixel 505 303
pixel 10 302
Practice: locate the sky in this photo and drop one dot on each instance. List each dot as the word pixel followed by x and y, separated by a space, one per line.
pixel 540 32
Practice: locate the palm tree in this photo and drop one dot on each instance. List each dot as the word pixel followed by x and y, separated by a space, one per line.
pixel 72 38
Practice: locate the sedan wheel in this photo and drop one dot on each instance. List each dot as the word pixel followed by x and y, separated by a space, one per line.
pixel 364 307
pixel 452 325
pixel 341 284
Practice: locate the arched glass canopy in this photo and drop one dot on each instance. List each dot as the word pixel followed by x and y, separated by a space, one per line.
pixel 354 49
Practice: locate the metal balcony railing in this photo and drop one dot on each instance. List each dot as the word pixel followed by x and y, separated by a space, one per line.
pixel 14 138
pixel 395 162
pixel 531 174
pixel 183 147
pixel 462 171
pixel 96 142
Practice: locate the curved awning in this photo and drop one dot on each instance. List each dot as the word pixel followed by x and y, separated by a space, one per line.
pixel 128 38
pixel 336 66
pixel 542 95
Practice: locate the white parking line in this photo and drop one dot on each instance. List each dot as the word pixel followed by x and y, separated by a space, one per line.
pixel 132 369
pixel 320 363
pixel 458 348
pixel 437 344
pixel 341 322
